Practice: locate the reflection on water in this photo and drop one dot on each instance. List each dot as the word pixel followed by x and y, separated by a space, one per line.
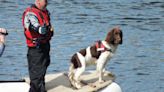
pixel 138 63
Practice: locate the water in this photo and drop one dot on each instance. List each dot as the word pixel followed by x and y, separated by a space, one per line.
pixel 138 63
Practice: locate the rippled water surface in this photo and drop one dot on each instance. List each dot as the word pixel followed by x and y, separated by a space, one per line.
pixel 138 63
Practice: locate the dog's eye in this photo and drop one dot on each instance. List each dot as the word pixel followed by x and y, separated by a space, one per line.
pixel 117 33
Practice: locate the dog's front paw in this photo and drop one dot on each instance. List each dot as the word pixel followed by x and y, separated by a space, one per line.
pixel 109 74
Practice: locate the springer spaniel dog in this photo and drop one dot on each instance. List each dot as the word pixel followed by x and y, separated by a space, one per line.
pixel 97 54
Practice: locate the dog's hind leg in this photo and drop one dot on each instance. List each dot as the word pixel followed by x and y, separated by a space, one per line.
pixel 71 72
pixel 79 70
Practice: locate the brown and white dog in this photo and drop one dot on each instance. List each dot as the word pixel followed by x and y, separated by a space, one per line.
pixel 97 54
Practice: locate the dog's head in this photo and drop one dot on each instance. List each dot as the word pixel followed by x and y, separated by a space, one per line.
pixel 114 36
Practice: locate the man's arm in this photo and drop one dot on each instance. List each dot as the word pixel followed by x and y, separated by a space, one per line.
pixel 31 22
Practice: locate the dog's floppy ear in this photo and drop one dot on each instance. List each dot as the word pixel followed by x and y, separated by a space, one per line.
pixel 110 37
pixel 121 36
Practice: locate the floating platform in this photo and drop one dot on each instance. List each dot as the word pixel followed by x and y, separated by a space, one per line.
pixel 59 82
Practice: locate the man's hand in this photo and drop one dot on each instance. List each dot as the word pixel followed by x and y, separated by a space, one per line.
pixel 3 31
pixel 43 30
pixel 52 29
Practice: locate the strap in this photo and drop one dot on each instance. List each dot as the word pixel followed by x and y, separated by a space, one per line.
pixel 100 47
pixel 41 15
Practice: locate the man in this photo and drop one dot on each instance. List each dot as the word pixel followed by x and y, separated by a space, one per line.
pixel 3 33
pixel 38 32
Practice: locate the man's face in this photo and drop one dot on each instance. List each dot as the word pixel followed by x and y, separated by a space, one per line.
pixel 43 3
